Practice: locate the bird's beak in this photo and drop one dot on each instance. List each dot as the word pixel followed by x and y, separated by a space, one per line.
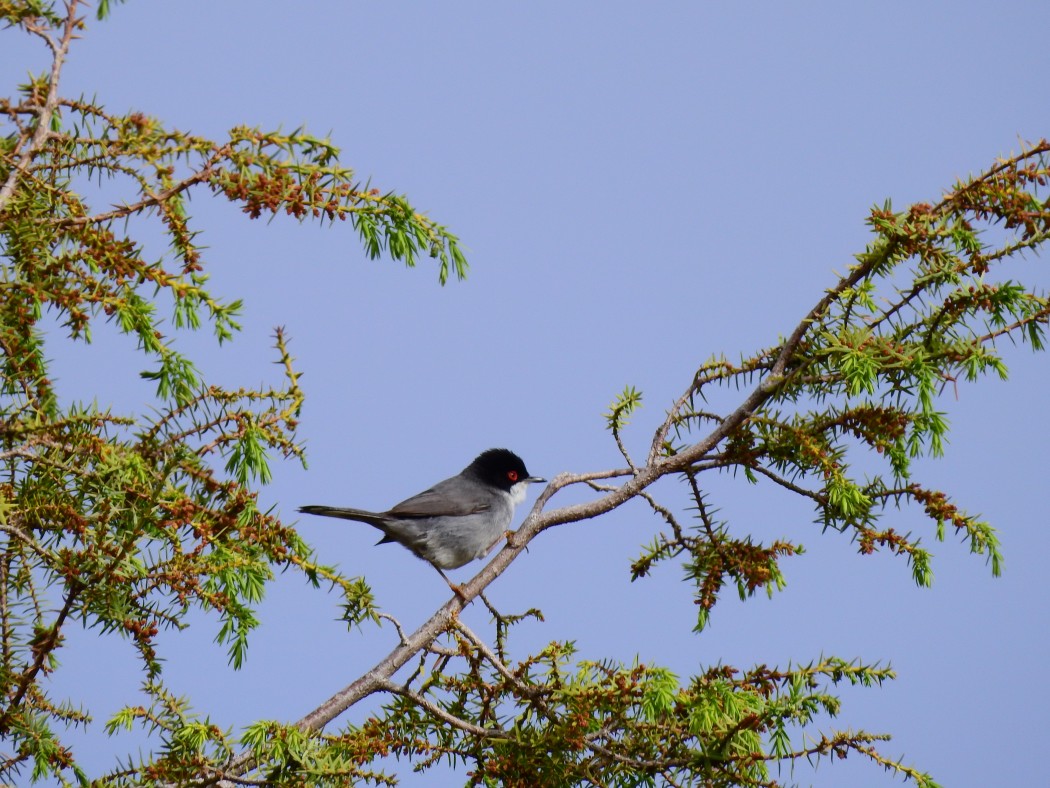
pixel 535 479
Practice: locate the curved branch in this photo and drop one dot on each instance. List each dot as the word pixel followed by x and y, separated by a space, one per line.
pixel 377 679
pixel 47 110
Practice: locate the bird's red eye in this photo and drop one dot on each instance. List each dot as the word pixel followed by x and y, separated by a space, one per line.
pixel 512 475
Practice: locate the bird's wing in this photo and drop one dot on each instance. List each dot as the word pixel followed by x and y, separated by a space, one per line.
pixel 434 503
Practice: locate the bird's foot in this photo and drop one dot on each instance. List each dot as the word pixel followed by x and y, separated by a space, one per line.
pixel 511 537
pixel 458 591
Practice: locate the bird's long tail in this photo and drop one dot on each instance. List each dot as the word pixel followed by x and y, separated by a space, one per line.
pixel 346 514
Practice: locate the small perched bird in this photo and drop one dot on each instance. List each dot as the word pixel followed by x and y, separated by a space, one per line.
pixel 457 520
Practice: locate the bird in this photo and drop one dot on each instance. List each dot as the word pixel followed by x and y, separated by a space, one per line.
pixel 457 520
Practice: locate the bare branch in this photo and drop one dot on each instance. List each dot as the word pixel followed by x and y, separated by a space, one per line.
pixel 378 678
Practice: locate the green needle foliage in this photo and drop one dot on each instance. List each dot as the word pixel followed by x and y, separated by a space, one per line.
pixel 127 523
pixel 920 310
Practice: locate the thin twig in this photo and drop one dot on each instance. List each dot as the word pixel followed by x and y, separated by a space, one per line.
pixel 444 716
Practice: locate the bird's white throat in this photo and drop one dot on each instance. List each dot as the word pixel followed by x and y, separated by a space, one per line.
pixel 517 493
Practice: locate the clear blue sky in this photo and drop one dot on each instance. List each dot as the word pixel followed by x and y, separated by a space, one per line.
pixel 638 186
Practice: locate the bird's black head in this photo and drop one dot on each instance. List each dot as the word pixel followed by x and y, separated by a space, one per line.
pixel 501 468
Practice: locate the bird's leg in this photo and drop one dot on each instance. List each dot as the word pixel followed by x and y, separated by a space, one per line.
pixel 455 588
